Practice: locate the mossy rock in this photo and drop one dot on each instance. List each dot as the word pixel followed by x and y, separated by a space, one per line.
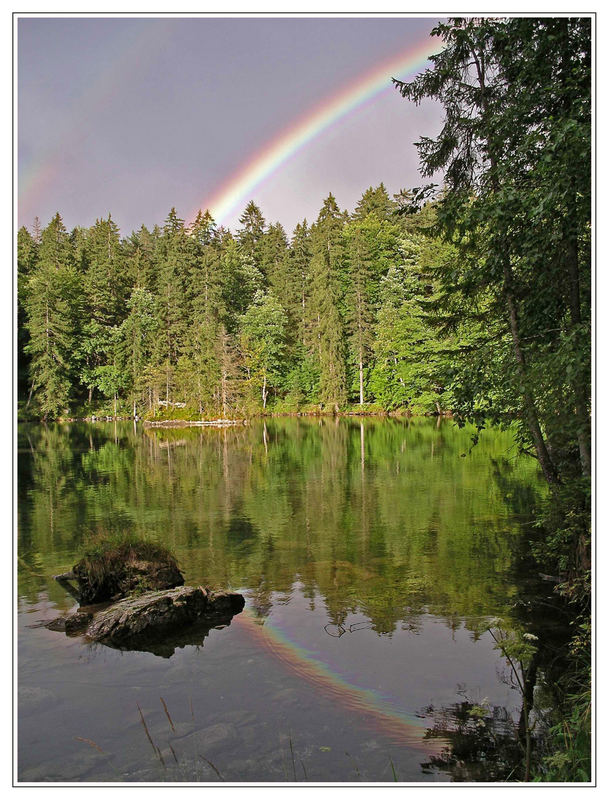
pixel 157 613
pixel 117 567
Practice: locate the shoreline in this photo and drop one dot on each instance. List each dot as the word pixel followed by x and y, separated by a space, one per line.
pixel 229 422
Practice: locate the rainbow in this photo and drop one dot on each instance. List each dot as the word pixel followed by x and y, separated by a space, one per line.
pixel 47 164
pixel 376 711
pixel 276 152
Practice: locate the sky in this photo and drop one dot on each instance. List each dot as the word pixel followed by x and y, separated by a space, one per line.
pixel 134 116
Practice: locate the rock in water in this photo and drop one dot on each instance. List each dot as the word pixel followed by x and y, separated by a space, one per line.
pixel 157 613
pixel 155 609
pixel 75 623
pixel 128 572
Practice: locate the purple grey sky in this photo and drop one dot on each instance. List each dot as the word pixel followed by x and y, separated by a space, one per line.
pixel 133 116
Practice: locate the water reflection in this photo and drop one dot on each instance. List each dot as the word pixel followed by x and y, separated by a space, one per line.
pixel 166 645
pixel 369 551
pixel 382 516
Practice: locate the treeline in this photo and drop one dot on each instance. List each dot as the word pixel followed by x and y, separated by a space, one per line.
pixel 196 320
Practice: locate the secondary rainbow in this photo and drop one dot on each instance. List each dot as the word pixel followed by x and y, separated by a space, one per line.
pixel 274 154
pixel 46 165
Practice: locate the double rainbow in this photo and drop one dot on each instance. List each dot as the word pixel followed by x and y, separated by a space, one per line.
pixel 274 154
pixel 44 169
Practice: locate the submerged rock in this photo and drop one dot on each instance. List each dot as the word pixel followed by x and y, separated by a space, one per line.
pixel 157 622
pixel 162 611
pixel 75 623
pixel 149 608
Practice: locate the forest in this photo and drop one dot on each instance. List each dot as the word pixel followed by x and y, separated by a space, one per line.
pixel 197 321
pixel 470 298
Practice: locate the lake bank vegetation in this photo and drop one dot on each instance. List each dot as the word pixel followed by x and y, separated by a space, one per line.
pixel 473 298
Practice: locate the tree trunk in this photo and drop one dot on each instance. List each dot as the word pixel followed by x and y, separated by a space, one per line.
pixel 580 394
pixel 361 380
pixel 571 251
pixel 532 418
pixel 531 414
pixel 224 401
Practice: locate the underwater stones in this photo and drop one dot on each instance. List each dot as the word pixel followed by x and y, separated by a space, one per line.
pixel 146 606
pixel 147 618
pixel 75 623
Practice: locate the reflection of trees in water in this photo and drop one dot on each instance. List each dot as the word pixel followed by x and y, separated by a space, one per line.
pixel 365 515
pixel 363 512
pixel 482 742
pixel 487 743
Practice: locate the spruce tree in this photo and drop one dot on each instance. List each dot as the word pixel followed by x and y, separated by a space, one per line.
pixel 105 291
pixel 173 259
pixel 327 328
pixel 300 253
pixel 135 346
pixel 53 307
pixel 250 234
pixel 360 298
pixel 198 374
pixel 27 256
pixel 376 202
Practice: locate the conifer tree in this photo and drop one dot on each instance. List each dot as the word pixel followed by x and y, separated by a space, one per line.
pixel 137 334
pixel 198 373
pixel 326 272
pixel 105 290
pixel 140 257
pixel 173 258
pixel 376 202
pixel 250 234
pixel 204 284
pixel 300 252
pixel 27 256
pixel 263 329
pixel 360 298
pixel 53 306
pixel 274 253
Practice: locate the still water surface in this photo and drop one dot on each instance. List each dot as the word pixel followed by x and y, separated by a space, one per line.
pixel 371 552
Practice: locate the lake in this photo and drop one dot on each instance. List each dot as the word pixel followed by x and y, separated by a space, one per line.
pixel 372 554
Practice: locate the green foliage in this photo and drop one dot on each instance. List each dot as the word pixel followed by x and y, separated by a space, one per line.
pixel 27 256
pixel 262 330
pixel 105 551
pixel 193 318
pixel 517 206
pixel 327 334
pixel 52 306
pixel 515 151
pixel 570 743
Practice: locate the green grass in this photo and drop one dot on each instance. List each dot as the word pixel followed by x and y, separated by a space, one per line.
pixel 106 555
